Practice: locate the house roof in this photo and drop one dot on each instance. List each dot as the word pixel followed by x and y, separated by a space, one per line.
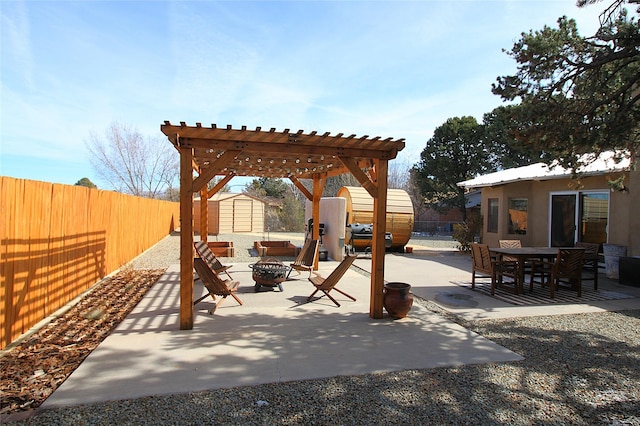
pixel 473 199
pixel 605 163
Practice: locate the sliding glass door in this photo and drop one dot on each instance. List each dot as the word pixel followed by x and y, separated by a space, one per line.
pixel 578 216
pixel 594 217
pixel 563 220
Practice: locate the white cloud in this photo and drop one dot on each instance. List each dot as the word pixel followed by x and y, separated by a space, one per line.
pixel 16 42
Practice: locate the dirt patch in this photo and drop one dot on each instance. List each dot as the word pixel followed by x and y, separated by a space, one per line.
pixel 36 367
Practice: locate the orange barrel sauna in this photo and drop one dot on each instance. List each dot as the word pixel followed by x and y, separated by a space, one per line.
pixel 400 215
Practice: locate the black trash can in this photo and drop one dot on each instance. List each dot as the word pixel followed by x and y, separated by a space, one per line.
pixel 630 271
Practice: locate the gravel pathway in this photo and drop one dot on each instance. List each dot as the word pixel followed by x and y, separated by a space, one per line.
pixel 581 369
pixel 167 251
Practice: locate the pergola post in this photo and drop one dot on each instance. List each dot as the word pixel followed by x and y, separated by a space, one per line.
pixel 378 241
pixel 204 214
pixel 186 238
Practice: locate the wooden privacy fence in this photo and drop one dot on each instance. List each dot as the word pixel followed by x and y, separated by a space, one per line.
pixel 58 240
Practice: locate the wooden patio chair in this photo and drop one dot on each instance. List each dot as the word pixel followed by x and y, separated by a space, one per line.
pixel 488 267
pixel 211 259
pixel 591 260
pixel 510 244
pixel 567 268
pixel 215 285
pixel 325 285
pixel 528 265
pixel 306 259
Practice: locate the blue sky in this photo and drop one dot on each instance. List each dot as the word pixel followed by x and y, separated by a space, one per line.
pixel 379 68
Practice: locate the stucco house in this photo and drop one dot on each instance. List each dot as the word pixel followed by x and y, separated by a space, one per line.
pixel 545 205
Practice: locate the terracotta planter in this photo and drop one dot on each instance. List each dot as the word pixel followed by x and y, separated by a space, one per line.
pixel 398 299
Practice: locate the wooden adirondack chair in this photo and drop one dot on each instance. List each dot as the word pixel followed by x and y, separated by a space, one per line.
pixel 215 285
pixel 210 258
pixel 306 259
pixel 325 285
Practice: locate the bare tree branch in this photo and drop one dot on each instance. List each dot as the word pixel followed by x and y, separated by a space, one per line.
pixel 131 163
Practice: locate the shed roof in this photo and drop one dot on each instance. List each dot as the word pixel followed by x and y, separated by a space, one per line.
pixel 605 163
pixel 223 196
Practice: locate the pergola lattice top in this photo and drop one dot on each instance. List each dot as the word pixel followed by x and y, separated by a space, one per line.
pixel 298 155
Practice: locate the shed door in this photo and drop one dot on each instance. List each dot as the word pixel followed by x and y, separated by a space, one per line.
pixel 242 215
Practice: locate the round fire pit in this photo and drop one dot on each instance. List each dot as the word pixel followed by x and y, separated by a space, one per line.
pixel 269 272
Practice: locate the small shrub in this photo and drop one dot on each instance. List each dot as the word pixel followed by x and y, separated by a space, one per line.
pixel 465 233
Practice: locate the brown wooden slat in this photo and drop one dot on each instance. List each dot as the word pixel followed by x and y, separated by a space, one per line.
pixel 58 240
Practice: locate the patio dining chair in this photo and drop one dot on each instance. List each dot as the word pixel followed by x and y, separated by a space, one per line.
pixel 211 259
pixel 591 261
pixel 488 267
pixel 326 285
pixel 306 259
pixel 510 244
pixel 215 285
pixel 528 265
pixel 566 269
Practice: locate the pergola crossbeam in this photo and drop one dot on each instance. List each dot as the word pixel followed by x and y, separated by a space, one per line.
pixel 212 170
pixel 275 147
pixel 301 188
pixel 361 176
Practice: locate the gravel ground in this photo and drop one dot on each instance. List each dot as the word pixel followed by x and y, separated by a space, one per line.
pixel 581 369
pixel 167 251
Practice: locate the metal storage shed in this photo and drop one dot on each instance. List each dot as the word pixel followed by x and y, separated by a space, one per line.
pixel 232 212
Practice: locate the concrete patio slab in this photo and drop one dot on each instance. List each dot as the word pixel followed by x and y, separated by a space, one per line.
pixel 274 337
pixel 435 276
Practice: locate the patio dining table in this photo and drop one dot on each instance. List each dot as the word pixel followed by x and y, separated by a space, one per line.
pixel 522 254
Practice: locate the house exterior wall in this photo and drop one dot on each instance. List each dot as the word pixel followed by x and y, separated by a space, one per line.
pixel 623 224
pixel 634 214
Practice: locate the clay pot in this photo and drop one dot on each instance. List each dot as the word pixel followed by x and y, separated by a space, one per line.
pixel 397 299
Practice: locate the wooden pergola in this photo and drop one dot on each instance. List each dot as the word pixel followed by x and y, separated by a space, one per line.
pixel 227 152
